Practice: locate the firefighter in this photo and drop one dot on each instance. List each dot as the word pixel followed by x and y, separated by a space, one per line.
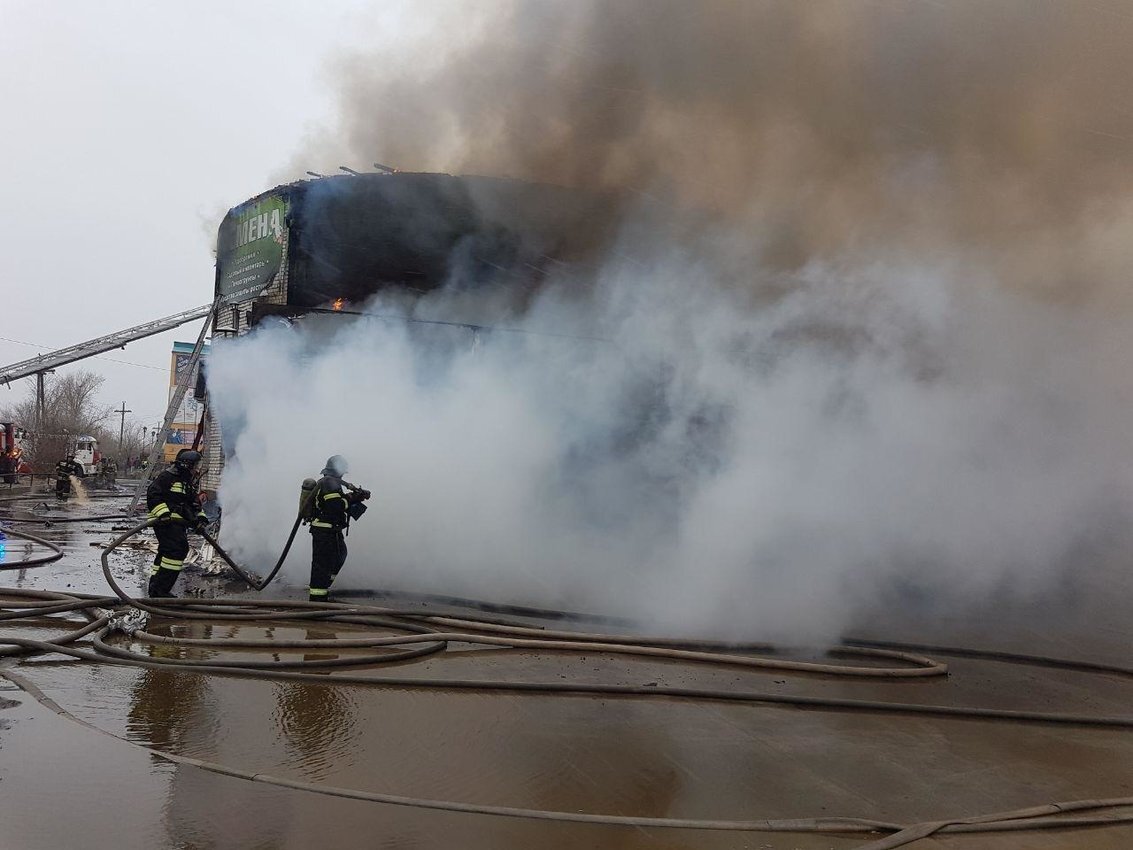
pixel 64 469
pixel 336 502
pixel 108 471
pixel 172 501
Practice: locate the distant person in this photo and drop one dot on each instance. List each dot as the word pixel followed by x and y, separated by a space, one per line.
pixel 64 469
pixel 336 502
pixel 172 501
pixel 108 470
pixel 8 468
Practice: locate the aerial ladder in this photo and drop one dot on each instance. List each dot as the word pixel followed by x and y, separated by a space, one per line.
pixel 43 364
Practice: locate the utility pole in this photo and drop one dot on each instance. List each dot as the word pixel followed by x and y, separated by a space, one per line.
pixel 40 412
pixel 40 397
pixel 122 433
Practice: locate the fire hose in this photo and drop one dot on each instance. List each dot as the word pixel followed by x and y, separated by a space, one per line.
pixel 1096 812
pixel 540 638
pixel 56 552
pixel 1105 812
pixel 424 633
pixel 58 520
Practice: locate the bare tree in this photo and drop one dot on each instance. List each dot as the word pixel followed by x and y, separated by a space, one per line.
pixel 70 409
pixel 132 444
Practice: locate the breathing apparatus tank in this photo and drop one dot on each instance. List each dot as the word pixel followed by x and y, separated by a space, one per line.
pixel 307 499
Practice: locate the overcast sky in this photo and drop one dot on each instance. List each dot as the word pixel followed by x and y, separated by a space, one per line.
pixel 129 129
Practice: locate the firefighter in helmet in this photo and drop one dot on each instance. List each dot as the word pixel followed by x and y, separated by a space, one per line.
pixel 64 469
pixel 107 471
pixel 172 501
pixel 336 502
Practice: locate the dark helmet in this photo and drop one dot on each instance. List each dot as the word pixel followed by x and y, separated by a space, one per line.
pixel 336 465
pixel 187 458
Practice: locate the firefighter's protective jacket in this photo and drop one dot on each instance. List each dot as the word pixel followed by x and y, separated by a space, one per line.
pixel 173 494
pixel 331 501
pixel 66 468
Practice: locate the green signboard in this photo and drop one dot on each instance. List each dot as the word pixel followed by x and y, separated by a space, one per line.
pixel 249 248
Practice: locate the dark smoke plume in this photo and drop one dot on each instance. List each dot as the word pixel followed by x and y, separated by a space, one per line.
pixel 823 129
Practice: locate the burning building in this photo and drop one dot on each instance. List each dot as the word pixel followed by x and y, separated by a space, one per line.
pixel 335 242
pixel 313 244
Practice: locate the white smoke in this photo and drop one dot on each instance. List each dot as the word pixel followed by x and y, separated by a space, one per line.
pixel 719 465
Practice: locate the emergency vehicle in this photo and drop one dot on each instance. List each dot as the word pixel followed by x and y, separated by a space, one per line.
pixel 85 450
pixel 12 439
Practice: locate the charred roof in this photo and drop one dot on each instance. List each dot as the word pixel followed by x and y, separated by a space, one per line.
pixel 353 235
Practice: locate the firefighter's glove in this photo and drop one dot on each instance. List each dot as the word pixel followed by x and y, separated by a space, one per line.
pixel 360 495
pixel 200 523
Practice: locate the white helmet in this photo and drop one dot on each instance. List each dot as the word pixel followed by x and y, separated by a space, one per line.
pixel 336 466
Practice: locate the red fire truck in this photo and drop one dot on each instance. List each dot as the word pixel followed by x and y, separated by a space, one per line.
pixel 12 452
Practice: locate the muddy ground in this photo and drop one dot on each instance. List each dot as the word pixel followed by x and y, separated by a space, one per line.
pixel 65 784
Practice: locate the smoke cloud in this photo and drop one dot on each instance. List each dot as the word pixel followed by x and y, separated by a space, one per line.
pixel 827 129
pixel 863 327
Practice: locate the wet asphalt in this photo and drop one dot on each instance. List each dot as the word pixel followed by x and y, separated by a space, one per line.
pixel 66 784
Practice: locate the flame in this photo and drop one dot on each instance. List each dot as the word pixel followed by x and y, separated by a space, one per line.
pixel 338 302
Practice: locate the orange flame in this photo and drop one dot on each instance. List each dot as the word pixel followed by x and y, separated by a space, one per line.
pixel 338 302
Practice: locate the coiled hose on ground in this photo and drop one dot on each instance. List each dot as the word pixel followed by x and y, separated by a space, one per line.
pixel 423 633
pixel 56 552
pixel 63 520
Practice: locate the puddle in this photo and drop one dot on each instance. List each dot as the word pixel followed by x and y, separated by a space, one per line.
pixel 655 757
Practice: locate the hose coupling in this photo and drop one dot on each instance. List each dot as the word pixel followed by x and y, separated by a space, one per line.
pixel 126 622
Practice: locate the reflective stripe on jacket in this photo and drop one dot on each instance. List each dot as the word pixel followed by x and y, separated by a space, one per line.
pixel 172 494
pixel 330 504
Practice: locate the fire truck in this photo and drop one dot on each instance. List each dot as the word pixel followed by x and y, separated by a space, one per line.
pixel 86 452
pixel 12 452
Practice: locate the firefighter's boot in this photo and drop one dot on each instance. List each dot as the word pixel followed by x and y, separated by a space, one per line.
pixel 161 583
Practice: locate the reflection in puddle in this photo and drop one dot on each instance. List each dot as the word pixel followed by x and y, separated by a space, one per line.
pixel 317 723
